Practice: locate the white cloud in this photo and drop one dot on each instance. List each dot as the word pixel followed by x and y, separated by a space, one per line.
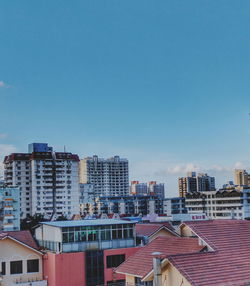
pixel 183 169
pixel 239 165
pixel 2 83
pixel 3 135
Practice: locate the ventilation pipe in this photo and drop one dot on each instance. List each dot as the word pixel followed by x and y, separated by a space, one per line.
pixel 157 268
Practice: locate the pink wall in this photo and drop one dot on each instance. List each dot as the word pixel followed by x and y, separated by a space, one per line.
pixel 65 269
pixel 109 274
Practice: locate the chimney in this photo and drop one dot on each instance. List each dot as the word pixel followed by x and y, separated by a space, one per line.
pixel 157 268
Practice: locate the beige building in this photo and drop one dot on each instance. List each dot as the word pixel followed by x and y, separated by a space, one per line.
pixel 20 260
pixel 241 177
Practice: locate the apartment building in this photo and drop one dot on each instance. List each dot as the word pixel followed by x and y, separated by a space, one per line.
pixel 241 177
pixel 232 202
pixel 110 177
pixel 48 180
pixel 187 184
pixel 172 206
pixel 205 183
pixel 150 188
pixel 85 252
pixel 126 205
pixel 156 189
pixel 9 208
pixel 192 183
pixel 137 188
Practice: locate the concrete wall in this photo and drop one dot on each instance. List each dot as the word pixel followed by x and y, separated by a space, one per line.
pixel 13 251
pixel 47 232
pixel 186 231
pixel 65 269
pixel 130 280
pixel 109 274
pixel 162 232
pixel 172 277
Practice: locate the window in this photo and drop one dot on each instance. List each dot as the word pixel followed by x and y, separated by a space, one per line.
pixel 33 265
pixel 138 282
pixel 3 268
pixel 115 260
pixel 16 267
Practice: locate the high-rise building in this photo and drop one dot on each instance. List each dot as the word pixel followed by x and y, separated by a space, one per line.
pixel 9 208
pixel 241 177
pixel 187 184
pixel 144 189
pixel 48 180
pixel 156 189
pixel 205 183
pixel 109 176
pixel 137 188
pixel 192 183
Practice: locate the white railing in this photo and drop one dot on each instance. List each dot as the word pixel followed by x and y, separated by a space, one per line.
pixel 31 283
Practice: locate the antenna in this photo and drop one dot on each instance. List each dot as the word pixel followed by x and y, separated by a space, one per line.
pixel 64 148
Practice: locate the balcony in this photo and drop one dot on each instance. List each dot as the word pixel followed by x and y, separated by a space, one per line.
pixel 32 283
pixel 7 226
pixel 8 208
pixel 8 216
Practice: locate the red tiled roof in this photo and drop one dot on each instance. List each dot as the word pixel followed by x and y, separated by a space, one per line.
pixel 141 263
pixel 23 236
pixel 147 229
pixel 229 262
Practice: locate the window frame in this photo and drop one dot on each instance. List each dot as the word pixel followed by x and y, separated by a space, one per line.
pixel 36 266
pixel 11 267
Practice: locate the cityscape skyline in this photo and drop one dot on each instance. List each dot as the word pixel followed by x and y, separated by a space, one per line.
pixel 171 186
pixel 162 84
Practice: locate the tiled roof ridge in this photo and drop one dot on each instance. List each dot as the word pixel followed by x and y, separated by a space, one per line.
pixel 181 270
pixel 185 274
pixel 165 227
pixel 203 237
pixel 11 234
pixel 170 257
pixel 158 226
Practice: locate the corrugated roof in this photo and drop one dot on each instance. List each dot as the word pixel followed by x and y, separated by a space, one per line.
pixel 86 222
pixel 141 263
pixel 228 264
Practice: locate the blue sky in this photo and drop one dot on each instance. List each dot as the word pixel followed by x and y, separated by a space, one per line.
pixel 164 83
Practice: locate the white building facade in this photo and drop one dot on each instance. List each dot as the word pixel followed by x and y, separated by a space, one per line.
pixel 109 177
pixel 230 203
pixel 48 181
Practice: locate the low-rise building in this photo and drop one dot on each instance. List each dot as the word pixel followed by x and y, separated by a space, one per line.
pixel 174 205
pixel 206 255
pixel 146 232
pixel 20 260
pixel 129 205
pixel 232 202
pixel 9 208
pixel 139 267
pixel 85 252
